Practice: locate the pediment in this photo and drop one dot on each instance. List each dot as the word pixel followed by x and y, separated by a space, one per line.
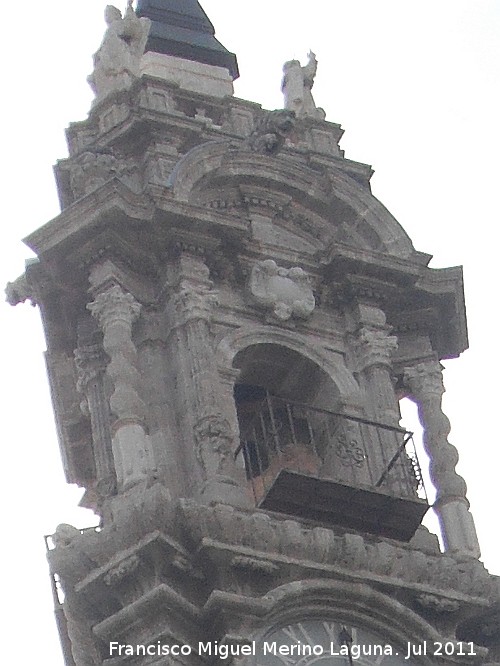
pixel 322 206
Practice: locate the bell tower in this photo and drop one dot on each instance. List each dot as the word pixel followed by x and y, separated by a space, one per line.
pixel 231 320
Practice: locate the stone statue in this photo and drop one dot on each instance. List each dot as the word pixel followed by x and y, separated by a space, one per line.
pixel 296 86
pixel 117 62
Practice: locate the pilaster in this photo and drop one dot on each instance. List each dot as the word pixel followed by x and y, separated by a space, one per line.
pixel 91 365
pixel 214 436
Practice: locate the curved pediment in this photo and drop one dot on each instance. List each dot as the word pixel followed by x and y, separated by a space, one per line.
pixel 321 206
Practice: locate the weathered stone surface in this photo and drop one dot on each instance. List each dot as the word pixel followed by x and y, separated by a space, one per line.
pixel 271 131
pixel 117 62
pixel 188 74
pixel 296 86
pixel 286 292
pixel 211 256
pixel 425 382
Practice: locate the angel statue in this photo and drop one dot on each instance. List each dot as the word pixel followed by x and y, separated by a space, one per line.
pixel 117 62
pixel 296 86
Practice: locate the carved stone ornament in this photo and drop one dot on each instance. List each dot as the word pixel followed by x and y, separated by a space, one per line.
pixel 19 291
pixel 411 567
pixel 194 301
pixel 214 440
pixel 117 62
pixel 296 86
pixel 91 170
pixel 90 364
pixel 375 347
pixel 284 291
pixel 115 304
pixel 271 131
pixel 425 379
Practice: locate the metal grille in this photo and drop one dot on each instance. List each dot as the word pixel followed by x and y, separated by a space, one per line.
pixel 280 435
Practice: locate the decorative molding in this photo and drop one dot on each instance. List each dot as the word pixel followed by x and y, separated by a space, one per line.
pixel 289 541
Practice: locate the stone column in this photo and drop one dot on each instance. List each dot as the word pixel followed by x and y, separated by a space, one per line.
pixel 425 382
pixel 116 310
pixel 91 364
pixel 374 347
pixel 214 437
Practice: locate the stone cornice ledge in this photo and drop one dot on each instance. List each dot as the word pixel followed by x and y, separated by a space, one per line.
pixel 217 550
pixel 383 560
pixel 170 548
pixel 105 202
pixel 115 202
pixel 162 600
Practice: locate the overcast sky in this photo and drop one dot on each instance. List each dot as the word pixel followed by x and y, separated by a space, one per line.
pixel 414 84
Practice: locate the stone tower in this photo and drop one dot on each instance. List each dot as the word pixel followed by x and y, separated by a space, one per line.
pixel 231 319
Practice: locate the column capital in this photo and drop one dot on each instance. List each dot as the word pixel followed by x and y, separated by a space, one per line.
pixel 115 304
pixel 194 300
pixel 374 346
pixel 425 379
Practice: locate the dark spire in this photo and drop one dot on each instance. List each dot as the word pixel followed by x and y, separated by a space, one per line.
pixel 181 28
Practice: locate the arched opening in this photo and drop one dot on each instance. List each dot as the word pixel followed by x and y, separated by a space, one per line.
pixel 303 455
pixel 275 398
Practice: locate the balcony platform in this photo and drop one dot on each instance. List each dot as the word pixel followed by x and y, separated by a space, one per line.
pixel 333 503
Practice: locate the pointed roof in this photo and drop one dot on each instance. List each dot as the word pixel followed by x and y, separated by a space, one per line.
pixel 181 28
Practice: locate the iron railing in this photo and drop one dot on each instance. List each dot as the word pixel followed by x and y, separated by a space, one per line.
pixel 276 435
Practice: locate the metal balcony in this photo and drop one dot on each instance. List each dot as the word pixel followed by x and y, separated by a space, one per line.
pixel 331 468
